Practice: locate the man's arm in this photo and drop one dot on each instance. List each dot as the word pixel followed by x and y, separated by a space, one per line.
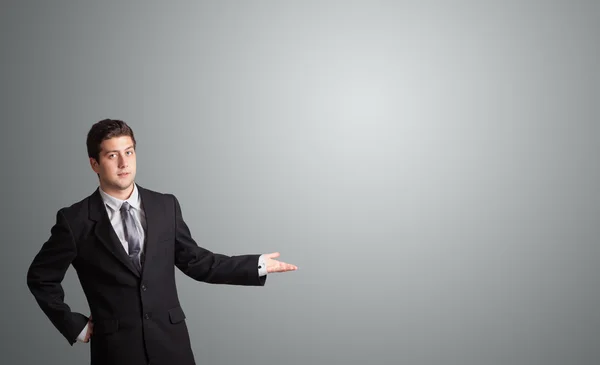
pixel 204 265
pixel 45 275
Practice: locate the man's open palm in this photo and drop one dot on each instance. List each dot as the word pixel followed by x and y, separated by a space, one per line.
pixel 277 266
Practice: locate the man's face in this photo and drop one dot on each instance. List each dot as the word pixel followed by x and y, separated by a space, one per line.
pixel 116 164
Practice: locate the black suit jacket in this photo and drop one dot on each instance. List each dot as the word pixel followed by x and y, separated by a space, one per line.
pixel 137 317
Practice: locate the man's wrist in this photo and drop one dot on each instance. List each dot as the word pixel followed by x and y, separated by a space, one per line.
pixel 262 266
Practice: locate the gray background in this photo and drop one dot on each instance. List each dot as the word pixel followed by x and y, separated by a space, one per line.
pixel 430 167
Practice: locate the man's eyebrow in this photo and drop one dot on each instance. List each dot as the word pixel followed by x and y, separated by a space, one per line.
pixel 124 149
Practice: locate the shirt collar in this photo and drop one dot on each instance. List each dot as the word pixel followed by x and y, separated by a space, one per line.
pixel 115 203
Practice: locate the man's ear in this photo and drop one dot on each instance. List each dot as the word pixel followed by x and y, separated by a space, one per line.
pixel 94 164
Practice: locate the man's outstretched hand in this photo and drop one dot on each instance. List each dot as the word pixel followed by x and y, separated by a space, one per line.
pixel 277 266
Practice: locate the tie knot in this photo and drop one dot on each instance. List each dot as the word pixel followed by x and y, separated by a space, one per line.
pixel 125 207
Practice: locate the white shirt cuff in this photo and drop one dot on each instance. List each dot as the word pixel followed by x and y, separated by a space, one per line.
pixel 81 336
pixel 262 266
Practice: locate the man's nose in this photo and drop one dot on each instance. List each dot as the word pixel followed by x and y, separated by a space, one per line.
pixel 122 162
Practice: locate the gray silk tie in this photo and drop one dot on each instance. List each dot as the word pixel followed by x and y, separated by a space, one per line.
pixel 131 235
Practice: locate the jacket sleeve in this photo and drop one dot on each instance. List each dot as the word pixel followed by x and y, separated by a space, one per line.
pixel 203 265
pixel 45 275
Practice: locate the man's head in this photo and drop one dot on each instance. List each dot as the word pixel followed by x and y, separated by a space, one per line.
pixel 111 150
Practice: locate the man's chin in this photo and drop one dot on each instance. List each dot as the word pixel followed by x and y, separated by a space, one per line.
pixel 127 186
pixel 122 185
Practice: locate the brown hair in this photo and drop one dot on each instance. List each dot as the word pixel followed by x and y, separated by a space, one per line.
pixel 103 130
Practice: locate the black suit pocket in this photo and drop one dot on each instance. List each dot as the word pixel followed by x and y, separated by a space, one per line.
pixel 176 315
pixel 105 326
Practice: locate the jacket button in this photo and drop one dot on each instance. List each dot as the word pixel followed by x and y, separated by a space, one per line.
pixel 143 287
pixel 147 316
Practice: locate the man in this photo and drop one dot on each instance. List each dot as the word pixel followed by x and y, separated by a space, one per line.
pixel 124 242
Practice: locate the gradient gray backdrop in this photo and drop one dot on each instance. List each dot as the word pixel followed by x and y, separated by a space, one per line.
pixel 430 167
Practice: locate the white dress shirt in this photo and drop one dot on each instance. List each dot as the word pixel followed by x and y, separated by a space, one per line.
pixel 113 206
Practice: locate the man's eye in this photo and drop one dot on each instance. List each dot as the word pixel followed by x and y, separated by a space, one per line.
pixel 129 152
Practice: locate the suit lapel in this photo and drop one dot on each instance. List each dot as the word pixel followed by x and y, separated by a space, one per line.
pixel 151 211
pixel 106 233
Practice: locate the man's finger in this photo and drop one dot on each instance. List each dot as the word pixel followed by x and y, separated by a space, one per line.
pixel 282 267
pixel 272 255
